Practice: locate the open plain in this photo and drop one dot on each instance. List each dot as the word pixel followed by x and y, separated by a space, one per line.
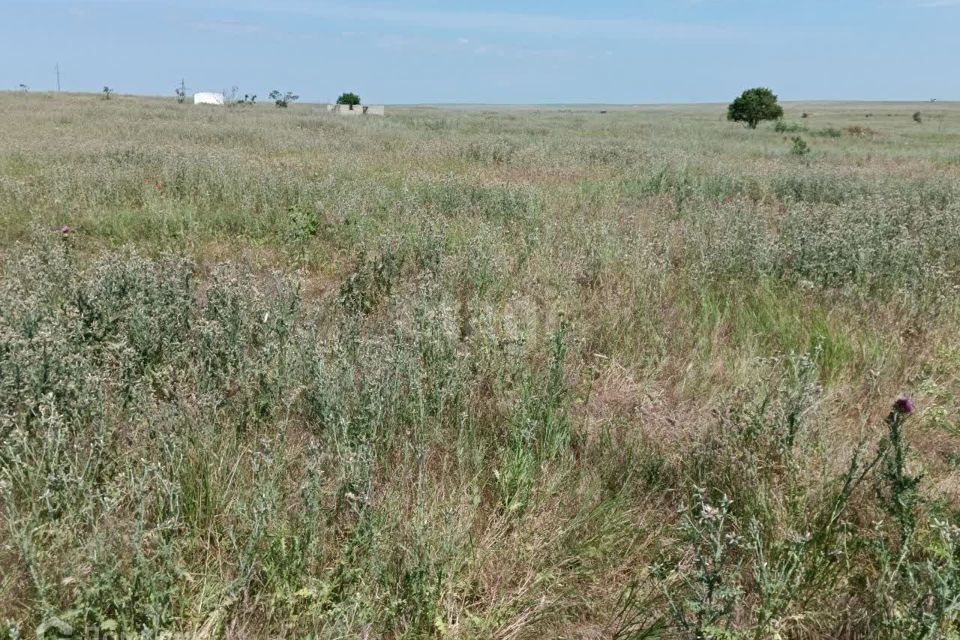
pixel 578 372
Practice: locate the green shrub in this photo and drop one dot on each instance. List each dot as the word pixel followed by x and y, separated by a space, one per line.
pixel 782 126
pixel 800 147
pixel 755 106
pixel 829 132
pixel 350 99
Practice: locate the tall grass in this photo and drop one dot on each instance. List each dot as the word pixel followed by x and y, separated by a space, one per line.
pixel 464 374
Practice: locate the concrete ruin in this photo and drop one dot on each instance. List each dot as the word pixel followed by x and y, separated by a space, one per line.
pixel 357 110
pixel 208 98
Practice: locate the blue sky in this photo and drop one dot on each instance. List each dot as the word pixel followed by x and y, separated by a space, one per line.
pixel 497 51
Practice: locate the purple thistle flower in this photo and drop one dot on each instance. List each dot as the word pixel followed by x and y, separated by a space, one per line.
pixel 903 404
pixel 66 231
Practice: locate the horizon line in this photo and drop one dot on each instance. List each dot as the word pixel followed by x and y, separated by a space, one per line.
pixel 522 104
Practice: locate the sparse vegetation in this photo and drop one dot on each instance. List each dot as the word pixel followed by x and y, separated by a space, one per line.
pixel 106 93
pixel 918 117
pixel 281 99
pixel 476 374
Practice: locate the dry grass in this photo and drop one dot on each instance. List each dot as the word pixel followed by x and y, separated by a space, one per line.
pixel 477 374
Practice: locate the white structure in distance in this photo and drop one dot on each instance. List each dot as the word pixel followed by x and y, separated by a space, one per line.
pixel 208 98
pixel 357 110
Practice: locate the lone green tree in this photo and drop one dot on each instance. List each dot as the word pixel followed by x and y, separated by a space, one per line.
pixel 349 99
pixel 754 106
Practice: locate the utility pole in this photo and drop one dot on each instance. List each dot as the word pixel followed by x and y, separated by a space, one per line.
pixel 58 77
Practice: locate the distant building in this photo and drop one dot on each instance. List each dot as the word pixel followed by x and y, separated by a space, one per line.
pixel 208 98
pixel 357 110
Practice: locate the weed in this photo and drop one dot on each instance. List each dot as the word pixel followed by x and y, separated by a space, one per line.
pixel 782 126
pixel 800 147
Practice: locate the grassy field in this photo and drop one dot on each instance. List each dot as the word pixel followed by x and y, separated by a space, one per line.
pixel 478 373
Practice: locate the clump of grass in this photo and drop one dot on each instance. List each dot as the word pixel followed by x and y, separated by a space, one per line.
pixel 861 132
pixel 800 147
pixel 829 132
pixel 782 126
pixel 497 152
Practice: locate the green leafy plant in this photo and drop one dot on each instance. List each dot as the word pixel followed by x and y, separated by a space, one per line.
pixel 800 147
pixel 702 587
pixel 782 126
pixel 754 106
pixel 829 132
pixel 349 99
pixel 303 224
